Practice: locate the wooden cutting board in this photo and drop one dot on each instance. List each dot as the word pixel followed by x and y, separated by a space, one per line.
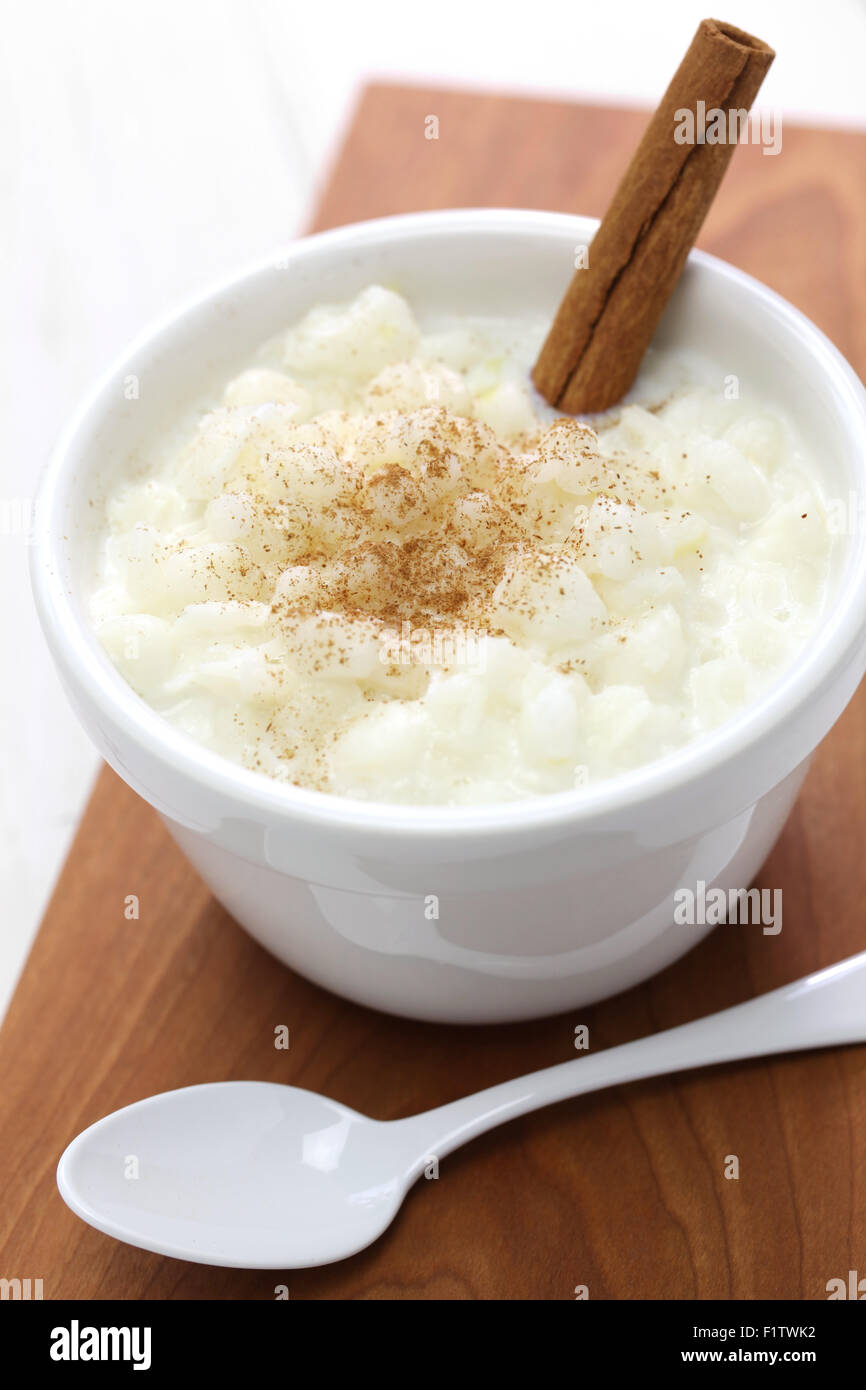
pixel 623 1192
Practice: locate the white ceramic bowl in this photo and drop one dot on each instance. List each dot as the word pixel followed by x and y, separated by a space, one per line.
pixel 544 904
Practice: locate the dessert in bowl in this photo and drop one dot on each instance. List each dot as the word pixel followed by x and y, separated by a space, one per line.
pixel 446 695
pixel 396 574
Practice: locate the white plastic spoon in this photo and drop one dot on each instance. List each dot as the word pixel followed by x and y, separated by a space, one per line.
pixel 260 1176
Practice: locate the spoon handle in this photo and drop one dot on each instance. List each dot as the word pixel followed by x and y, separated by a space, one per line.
pixel 820 1010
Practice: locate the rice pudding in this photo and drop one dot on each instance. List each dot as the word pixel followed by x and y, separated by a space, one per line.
pixel 381 567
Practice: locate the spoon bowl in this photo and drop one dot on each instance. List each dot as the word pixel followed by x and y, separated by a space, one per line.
pixel 241 1173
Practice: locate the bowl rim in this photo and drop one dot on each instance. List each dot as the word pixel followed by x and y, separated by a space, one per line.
pixel 69 638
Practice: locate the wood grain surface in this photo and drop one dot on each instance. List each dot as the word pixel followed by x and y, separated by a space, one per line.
pixel 623 1192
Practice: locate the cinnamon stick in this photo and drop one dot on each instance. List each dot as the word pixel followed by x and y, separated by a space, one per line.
pixel 611 308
